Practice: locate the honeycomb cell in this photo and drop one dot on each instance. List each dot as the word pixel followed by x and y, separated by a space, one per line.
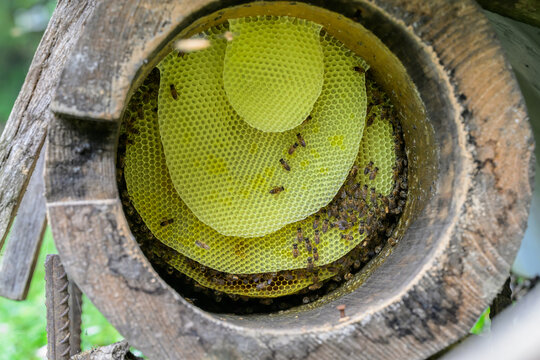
pixel 224 169
pixel 273 70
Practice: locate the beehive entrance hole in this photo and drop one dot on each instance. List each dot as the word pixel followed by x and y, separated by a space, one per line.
pixel 386 76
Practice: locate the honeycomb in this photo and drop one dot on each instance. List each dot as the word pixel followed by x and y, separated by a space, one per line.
pixel 267 285
pixel 224 169
pixel 153 195
pixel 377 148
pixel 273 70
pixel 239 265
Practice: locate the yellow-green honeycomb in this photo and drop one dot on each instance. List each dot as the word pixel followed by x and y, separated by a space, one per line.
pixel 263 285
pixel 201 251
pixel 224 169
pixel 273 70
pixel 376 147
pixel 153 195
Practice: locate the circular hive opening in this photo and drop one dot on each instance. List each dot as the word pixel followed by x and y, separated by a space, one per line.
pixel 295 200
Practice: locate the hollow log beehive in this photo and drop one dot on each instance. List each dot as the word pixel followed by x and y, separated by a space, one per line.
pixel 468 146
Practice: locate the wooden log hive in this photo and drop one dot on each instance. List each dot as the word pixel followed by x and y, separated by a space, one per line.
pixel 468 143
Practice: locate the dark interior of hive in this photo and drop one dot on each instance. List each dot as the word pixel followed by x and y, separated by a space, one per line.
pixel 260 165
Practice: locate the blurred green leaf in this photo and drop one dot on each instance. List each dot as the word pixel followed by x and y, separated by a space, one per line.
pixel 483 325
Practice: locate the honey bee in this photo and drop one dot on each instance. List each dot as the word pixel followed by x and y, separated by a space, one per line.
pixel 373 196
pixel 403 194
pixel 232 277
pixel 218 281
pixel 174 94
pixel 391 202
pixel 309 117
pixel 359 69
pixel 166 222
pixel 342 225
pixel 325 226
pixel 315 286
pixel 202 245
pixel 316 222
pixel 261 286
pixel 403 184
pixel 361 227
pixel 373 173
pixel 277 189
pixel 301 140
pixel 315 254
pixel 284 165
pixel 364 192
pixel 308 244
pixel 309 264
pixel 347 276
pixel 367 169
pixel 316 238
pixel 295 250
pixel 299 235
pixel 349 237
pixel 395 172
pixel 354 171
pixel 292 148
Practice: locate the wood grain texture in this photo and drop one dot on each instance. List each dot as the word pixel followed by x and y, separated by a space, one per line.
pixel 87 149
pixel 25 131
pixel 103 97
pixel 527 11
pixel 22 249
pixel 429 290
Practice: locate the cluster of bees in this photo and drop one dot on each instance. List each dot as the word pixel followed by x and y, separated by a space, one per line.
pixel 357 210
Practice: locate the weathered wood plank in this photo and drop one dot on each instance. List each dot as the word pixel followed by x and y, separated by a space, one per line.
pixel 88 150
pixel 25 131
pixel 130 43
pixel 22 249
pixel 527 11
